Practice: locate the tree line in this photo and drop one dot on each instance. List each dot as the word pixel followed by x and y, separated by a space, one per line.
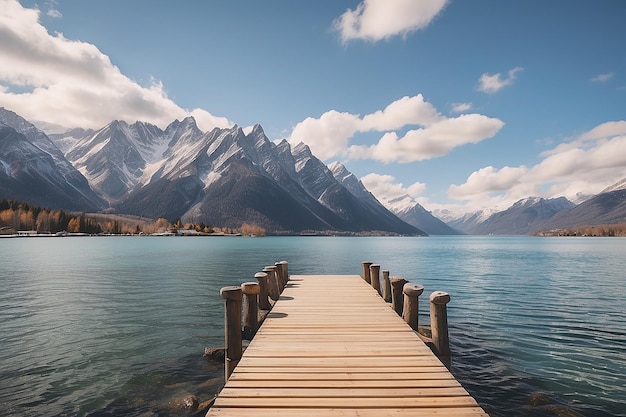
pixel 601 230
pixel 16 216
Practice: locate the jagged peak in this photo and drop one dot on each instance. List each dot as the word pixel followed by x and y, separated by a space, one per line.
pixel 526 202
pixel 339 170
pixel 302 149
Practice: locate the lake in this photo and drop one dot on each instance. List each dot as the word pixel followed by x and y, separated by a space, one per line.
pixel 94 326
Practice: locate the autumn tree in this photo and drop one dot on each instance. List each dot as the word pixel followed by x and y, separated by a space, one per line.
pixel 252 230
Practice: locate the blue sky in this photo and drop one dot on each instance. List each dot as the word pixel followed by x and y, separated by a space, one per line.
pixel 462 104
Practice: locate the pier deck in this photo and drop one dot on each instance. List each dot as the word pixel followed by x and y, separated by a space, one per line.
pixel 332 347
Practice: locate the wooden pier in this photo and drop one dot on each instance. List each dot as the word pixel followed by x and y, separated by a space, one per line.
pixel 332 346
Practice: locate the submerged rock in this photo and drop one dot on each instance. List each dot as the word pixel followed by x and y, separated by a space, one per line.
pixel 214 354
pixel 187 405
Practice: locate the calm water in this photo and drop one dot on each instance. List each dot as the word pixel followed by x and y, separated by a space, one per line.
pixel 117 325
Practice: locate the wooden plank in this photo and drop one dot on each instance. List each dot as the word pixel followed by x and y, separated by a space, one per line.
pixel 333 402
pixel 332 347
pixel 328 412
pixel 345 382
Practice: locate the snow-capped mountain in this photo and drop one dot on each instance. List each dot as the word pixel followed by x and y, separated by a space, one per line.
pixel 409 210
pixel 524 217
pixel 35 170
pixel 223 177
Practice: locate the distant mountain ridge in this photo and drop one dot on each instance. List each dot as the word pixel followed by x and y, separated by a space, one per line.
pixel 409 210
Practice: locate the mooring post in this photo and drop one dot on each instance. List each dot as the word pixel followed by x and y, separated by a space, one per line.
pixel 264 303
pixel 375 277
pixel 396 293
pixel 366 271
pixel 232 327
pixel 250 292
pixel 439 325
pixel 411 303
pixel 386 286
pixel 283 267
pixel 272 280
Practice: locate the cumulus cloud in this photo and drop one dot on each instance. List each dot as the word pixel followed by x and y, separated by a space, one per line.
pixel 437 135
pixel 70 83
pixel 602 78
pixel 587 164
pixel 374 20
pixel 488 83
pixel 386 187
pixel 435 140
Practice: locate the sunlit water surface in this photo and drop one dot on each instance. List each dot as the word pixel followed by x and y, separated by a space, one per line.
pixel 117 325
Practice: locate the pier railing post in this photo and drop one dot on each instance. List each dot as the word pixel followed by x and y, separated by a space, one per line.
pixel 375 277
pixel 264 303
pixel 439 325
pixel 386 286
pixel 283 267
pixel 232 327
pixel 250 292
pixel 396 293
pixel 366 271
pixel 411 303
pixel 272 280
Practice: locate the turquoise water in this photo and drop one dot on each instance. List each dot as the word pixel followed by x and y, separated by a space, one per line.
pixel 117 325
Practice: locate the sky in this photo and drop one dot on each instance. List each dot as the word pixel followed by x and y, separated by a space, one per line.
pixel 463 105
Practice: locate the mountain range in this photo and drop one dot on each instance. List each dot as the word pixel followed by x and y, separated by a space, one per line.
pixel 224 177
pixel 231 176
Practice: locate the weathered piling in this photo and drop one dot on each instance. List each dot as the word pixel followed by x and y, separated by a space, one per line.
pixel 273 285
pixel 410 312
pixel 375 277
pixel 439 325
pixel 282 269
pixel 366 271
pixel 397 299
pixel 250 292
pixel 386 286
pixel 232 327
pixel 264 302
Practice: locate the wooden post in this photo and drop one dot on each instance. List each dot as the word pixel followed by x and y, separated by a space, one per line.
pixel 283 266
pixel 232 327
pixel 272 280
pixel 439 325
pixel 264 303
pixel 396 293
pixel 386 286
pixel 366 272
pixel 375 277
pixel 250 292
pixel 411 303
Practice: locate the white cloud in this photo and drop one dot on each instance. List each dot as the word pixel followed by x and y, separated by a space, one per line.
pixel 606 130
pixel 602 78
pixel 493 83
pixel 71 83
pixel 330 135
pixel 432 141
pixel 327 136
pixel 374 20
pixel 587 164
pixel 386 188
pixel 461 107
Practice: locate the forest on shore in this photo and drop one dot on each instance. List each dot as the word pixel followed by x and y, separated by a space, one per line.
pixel 18 216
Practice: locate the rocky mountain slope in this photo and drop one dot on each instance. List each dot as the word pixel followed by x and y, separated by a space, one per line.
pixel 34 170
pixel 409 210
